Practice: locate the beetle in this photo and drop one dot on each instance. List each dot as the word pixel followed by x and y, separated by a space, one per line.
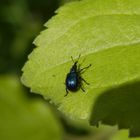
pixel 74 79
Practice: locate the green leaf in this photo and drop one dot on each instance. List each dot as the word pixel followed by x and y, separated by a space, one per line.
pixel 107 34
pixel 122 135
pixel 21 118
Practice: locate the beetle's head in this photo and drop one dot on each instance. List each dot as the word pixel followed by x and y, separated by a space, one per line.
pixel 74 67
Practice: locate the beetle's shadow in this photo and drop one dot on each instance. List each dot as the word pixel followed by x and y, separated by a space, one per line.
pixel 120 105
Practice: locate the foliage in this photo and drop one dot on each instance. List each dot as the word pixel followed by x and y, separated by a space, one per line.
pixel 22 118
pixel 107 34
pixel 20 21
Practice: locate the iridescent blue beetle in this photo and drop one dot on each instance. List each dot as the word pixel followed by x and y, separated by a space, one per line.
pixel 74 80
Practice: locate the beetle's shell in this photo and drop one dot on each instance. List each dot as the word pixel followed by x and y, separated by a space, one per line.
pixel 72 81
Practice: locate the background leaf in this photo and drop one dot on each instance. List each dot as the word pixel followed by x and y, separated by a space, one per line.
pixel 122 135
pixel 107 34
pixel 22 118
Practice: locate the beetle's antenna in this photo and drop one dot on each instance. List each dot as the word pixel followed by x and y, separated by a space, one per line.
pixel 76 60
pixel 83 61
pixel 72 59
pixel 79 57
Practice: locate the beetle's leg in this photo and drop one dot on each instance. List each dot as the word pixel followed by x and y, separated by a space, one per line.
pixel 81 70
pixel 66 92
pixel 82 89
pixel 85 81
pixel 81 79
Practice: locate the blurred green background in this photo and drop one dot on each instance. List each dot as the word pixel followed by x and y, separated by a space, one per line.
pixel 20 22
pixel 25 115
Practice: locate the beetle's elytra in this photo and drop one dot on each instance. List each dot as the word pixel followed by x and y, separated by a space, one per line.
pixel 74 80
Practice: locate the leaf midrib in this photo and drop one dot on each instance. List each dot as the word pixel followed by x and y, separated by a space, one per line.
pixel 58 65
pixel 94 52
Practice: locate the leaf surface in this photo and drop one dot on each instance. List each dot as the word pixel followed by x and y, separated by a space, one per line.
pixel 107 35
